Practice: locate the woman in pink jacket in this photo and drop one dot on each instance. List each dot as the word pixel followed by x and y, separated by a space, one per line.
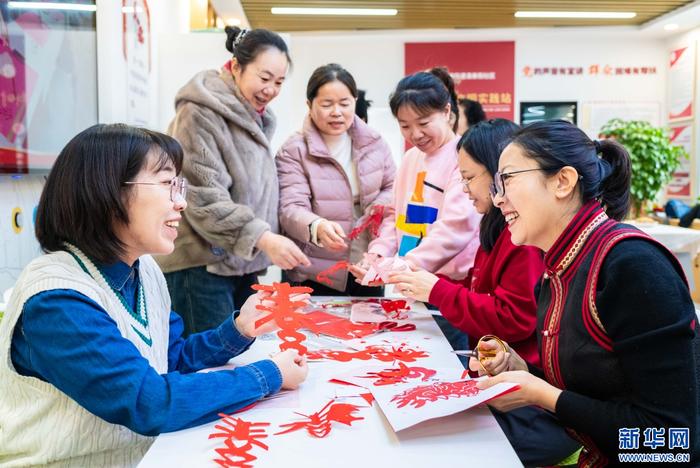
pixel 331 174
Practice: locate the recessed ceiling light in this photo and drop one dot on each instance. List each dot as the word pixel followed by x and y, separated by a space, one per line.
pixel 576 14
pixel 51 6
pixel 335 11
pixel 671 27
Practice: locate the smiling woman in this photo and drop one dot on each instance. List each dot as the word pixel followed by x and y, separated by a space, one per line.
pixel 92 358
pixel 229 234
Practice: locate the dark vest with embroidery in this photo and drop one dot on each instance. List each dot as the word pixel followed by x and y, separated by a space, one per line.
pixel 569 330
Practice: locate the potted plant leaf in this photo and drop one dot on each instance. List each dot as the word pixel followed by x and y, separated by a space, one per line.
pixel 652 155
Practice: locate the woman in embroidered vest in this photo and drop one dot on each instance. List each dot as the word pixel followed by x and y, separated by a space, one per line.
pixel 229 234
pixel 332 174
pixel 92 359
pixel 616 325
pixel 498 295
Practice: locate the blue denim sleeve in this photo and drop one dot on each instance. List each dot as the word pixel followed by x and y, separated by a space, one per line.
pixel 66 339
pixel 211 348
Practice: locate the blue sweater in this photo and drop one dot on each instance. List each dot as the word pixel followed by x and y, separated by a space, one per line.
pixel 65 338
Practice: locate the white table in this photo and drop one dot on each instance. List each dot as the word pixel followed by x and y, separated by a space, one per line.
pixel 683 242
pixel 472 437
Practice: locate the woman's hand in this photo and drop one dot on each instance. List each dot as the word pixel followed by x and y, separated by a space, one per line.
pixel 359 269
pixel 415 284
pixel 532 391
pixel 282 252
pixel 245 322
pixel 293 368
pixel 498 361
pixel 330 235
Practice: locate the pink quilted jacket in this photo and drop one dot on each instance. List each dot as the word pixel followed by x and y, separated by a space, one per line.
pixel 313 185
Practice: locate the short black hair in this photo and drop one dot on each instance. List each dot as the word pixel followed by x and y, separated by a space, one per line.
pixel 85 192
pixel 327 74
pixel 472 111
pixel 246 45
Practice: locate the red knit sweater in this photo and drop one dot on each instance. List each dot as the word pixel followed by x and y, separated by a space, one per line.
pixel 497 297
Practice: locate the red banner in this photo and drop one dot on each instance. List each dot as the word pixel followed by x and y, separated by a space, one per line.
pixel 482 71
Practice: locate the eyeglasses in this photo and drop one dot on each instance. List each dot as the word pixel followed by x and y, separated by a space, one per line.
pixel 466 182
pixel 498 187
pixel 178 186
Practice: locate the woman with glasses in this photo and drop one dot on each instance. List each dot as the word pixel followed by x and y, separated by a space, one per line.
pixel 616 325
pixel 229 234
pixel 332 174
pixel 92 359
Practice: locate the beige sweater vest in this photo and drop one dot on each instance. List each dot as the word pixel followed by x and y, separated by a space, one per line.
pixel 40 425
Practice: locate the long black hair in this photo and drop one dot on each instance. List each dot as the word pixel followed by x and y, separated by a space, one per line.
pixel 483 143
pixel 424 92
pixel 558 143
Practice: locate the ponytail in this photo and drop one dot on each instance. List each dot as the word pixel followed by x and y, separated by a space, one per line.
pixel 615 188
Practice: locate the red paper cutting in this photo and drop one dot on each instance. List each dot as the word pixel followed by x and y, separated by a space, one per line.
pixel 399 374
pixel 323 323
pixel 239 438
pixel 285 313
pixel 380 353
pixel 372 222
pixel 419 396
pixel 324 276
pixel 319 423
pixel 393 308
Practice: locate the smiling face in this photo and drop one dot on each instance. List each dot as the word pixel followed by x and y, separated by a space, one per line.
pixel 261 80
pixel 478 179
pixel 427 132
pixel 333 108
pixel 153 217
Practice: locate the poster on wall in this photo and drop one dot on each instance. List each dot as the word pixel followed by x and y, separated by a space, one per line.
pixel 681 82
pixel 136 30
pixel 13 104
pixel 482 71
pixel 680 186
pixel 594 114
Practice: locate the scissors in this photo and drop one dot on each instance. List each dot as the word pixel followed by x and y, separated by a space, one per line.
pixel 482 355
pixel 394 327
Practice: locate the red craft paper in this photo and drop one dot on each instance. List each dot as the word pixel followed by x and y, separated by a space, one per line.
pixel 399 374
pixel 239 438
pixel 419 396
pixel 380 353
pixel 372 222
pixel 323 323
pixel 285 313
pixel 319 423
pixel 324 276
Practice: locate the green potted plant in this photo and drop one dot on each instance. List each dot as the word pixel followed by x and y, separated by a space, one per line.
pixel 654 158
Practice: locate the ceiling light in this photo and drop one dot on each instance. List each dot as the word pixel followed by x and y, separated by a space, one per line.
pixel 335 11
pixel 576 14
pixel 51 6
pixel 671 27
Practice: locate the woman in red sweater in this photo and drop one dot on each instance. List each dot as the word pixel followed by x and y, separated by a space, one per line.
pixel 497 296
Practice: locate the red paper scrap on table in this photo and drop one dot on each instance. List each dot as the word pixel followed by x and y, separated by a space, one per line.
pixel 324 276
pixel 319 423
pixel 399 374
pixel 285 312
pixel 371 222
pixel 380 353
pixel 323 323
pixel 239 438
pixel 394 308
pixel 419 396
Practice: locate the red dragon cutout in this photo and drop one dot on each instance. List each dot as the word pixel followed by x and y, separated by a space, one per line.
pixel 239 438
pixel 319 423
pixel 419 396
pixel 378 352
pixel 399 374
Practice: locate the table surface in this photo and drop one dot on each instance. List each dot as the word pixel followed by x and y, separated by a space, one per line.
pixel 472 435
pixel 675 238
